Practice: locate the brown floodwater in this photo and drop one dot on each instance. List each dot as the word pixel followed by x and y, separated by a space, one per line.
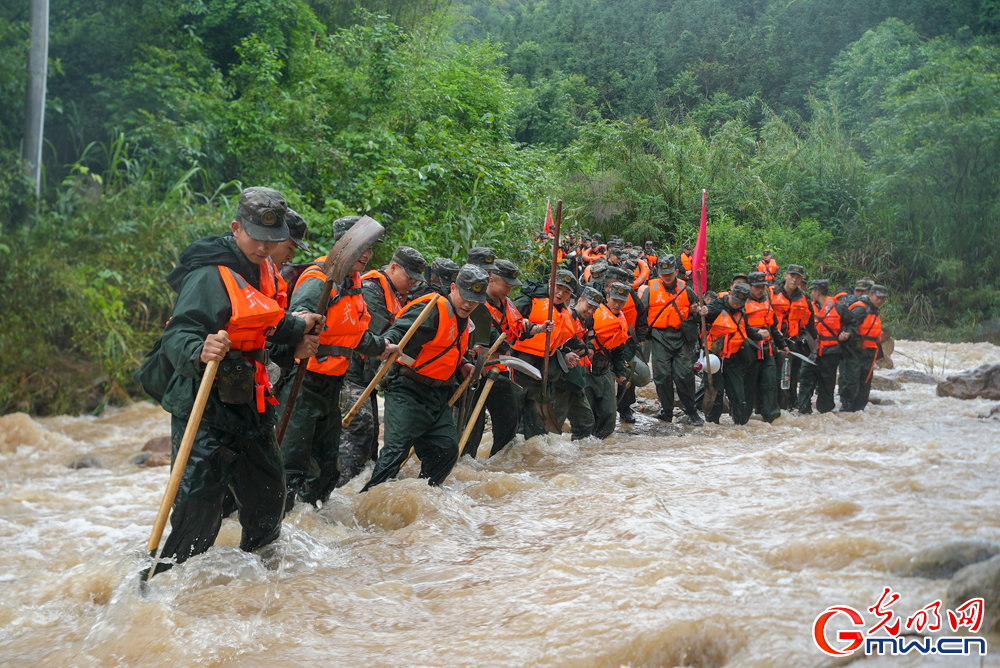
pixel 660 546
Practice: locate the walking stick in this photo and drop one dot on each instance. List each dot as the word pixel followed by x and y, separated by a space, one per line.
pixel 183 452
pixel 392 358
pixel 465 383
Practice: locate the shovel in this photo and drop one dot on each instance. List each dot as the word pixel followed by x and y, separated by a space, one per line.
pixel 344 254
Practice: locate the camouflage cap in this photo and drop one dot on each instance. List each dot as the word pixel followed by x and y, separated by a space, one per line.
pixel 740 292
pixel 629 265
pixel 822 285
pixel 667 263
pixel 566 279
pixel 411 261
pixel 297 229
pixel 864 284
pixel 649 244
pixel 687 247
pixel 796 269
pixel 482 257
pixel 628 245
pixel 767 252
pixel 598 269
pixel 592 296
pixel 737 277
pixel 509 272
pixel 618 290
pixel 472 282
pixel 342 225
pixel 597 235
pixel 446 269
pixel 261 211
pixel 879 291
pixel 757 278
pixel 620 274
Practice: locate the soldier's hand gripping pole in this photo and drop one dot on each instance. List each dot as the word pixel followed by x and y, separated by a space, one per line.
pixel 183 452
pixel 386 365
pixel 469 379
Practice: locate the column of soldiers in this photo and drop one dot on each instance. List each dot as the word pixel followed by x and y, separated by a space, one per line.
pixel 617 309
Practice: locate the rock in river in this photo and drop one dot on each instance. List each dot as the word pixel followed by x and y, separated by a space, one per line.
pixel 980 580
pixel 982 382
pixel 942 560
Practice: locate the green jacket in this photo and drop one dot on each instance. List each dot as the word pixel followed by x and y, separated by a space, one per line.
pixel 173 369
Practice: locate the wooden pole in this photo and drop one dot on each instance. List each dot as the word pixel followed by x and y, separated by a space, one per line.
pixel 183 452
pixel 392 358
pixel 552 296
pixel 465 383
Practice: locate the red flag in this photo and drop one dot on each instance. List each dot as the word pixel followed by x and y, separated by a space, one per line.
pixel 548 220
pixel 699 265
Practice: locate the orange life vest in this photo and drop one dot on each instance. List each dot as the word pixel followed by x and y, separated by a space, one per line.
pixel 592 255
pixel 610 330
pixel 347 321
pixel 440 357
pixel 565 328
pixel 828 326
pixel 761 315
pixel 792 315
pixel 392 303
pixel 641 274
pixel 586 274
pixel 508 320
pixel 280 284
pixel 686 261
pixel 255 315
pixel 769 268
pixel 650 259
pixel 732 331
pixel 582 333
pixel 870 331
pixel 630 311
pixel 667 309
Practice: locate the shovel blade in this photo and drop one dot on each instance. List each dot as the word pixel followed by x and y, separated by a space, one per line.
pixel 548 415
pixel 350 247
pixel 709 402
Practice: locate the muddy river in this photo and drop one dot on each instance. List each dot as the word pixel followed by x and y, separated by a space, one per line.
pixel 660 546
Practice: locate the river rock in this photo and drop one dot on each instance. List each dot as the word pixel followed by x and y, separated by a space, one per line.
pixel 141 458
pixel 884 384
pixel 88 462
pixel 980 580
pixel 158 444
pixel 982 382
pixel 942 560
pixel 911 376
pixel 993 414
pixel 157 460
pixel 881 401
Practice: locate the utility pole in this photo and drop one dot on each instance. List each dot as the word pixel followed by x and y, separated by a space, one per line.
pixel 34 112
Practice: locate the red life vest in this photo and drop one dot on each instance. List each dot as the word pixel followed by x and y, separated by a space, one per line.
pixel 732 331
pixel 792 315
pixel 828 326
pixel 564 330
pixel 255 315
pixel 667 309
pixel 392 303
pixel 440 357
pixel 761 315
pixel 347 321
pixel 769 268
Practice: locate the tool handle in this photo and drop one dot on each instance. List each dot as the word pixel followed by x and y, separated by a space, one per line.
pixel 183 452
pixel 465 383
pixel 388 363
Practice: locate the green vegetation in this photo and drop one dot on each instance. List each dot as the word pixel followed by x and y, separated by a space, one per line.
pixel 856 140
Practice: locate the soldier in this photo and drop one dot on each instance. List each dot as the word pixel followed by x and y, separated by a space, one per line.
pixel 482 325
pixel 440 274
pixel 417 413
pixel 311 447
pixel 687 258
pixel 501 401
pixel 565 349
pixel 726 338
pixel 828 319
pixel 768 266
pixel 672 315
pixel 224 282
pixel 791 307
pixel 612 351
pixel 862 350
pixel 636 314
pixel 285 251
pixel 385 292
pixel 761 380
